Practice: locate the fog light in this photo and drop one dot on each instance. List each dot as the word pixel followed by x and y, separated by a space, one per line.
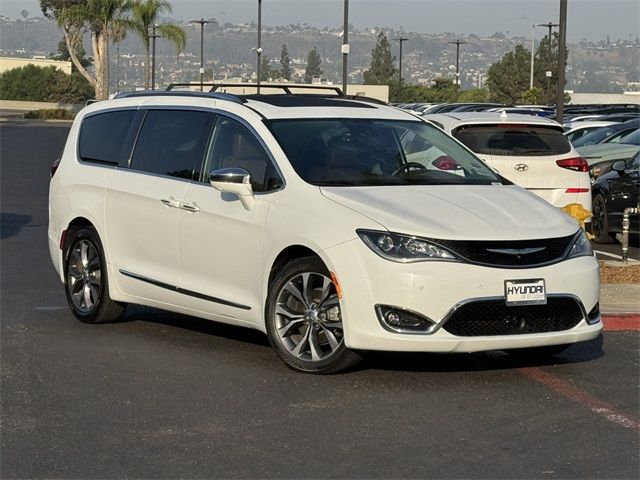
pixel 400 320
pixel 393 318
pixel 594 315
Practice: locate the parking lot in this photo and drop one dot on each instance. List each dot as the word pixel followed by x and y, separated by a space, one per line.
pixel 160 395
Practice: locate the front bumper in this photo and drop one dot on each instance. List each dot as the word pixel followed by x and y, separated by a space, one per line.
pixel 435 289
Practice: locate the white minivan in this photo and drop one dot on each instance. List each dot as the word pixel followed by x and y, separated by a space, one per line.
pixel 333 224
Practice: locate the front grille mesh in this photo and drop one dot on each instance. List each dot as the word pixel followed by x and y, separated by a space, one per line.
pixel 553 249
pixel 493 317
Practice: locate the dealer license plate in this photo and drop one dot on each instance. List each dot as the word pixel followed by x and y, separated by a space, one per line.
pixel 525 292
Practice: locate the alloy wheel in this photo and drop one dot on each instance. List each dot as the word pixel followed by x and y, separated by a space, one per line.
pixel 308 317
pixel 84 276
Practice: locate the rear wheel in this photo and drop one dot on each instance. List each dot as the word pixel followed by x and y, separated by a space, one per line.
pixel 600 221
pixel 304 319
pixel 86 286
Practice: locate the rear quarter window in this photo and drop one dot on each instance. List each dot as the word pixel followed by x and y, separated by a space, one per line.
pixel 513 140
pixel 104 137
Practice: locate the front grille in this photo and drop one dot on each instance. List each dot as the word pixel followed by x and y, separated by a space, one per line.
pixel 493 317
pixel 479 251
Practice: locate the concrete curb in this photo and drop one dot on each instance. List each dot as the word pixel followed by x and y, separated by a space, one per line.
pixel 621 322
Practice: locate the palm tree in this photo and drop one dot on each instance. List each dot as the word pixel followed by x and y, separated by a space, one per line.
pixel 144 15
pixel 98 18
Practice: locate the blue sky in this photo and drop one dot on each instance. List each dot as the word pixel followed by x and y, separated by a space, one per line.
pixel 591 19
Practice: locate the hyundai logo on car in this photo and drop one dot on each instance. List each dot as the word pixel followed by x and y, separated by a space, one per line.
pixel 521 167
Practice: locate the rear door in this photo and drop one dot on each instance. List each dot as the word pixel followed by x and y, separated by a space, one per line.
pixel 143 201
pixel 537 157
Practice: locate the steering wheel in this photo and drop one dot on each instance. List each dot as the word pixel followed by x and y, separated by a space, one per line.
pixel 408 166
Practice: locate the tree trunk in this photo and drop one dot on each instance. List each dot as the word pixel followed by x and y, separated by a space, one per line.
pixel 147 67
pixel 100 44
pixel 71 47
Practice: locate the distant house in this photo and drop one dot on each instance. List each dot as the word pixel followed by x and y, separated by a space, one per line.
pixel 9 63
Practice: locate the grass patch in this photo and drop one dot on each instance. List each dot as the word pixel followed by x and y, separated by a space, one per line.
pixel 51 114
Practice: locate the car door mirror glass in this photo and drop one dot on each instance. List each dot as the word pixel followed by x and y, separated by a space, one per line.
pixel 619 166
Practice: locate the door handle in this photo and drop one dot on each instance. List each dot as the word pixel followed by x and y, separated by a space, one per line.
pixel 190 207
pixel 170 202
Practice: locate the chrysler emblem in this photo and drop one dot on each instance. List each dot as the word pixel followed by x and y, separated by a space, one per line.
pixel 521 167
pixel 516 251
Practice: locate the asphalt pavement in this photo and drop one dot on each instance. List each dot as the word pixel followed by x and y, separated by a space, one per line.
pixel 160 395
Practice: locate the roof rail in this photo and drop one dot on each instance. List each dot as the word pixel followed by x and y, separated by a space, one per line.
pixel 282 86
pixel 160 93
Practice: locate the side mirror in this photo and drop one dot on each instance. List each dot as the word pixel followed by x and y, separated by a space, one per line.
pixel 619 166
pixel 236 181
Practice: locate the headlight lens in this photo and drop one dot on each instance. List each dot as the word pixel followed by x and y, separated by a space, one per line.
pixel 404 248
pixel 581 247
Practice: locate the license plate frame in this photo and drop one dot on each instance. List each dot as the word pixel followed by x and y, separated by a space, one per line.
pixel 525 292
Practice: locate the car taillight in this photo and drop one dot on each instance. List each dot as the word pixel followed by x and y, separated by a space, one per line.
pixel 445 162
pixel 577 190
pixel 54 167
pixel 577 164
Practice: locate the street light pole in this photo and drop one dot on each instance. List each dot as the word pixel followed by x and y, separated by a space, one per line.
pixel 345 46
pixel 401 40
pixel 457 43
pixel 202 23
pixel 533 54
pixel 153 37
pixel 259 49
pixel 562 50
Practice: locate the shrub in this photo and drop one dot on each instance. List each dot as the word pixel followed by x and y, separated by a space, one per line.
pixel 51 114
pixel 36 84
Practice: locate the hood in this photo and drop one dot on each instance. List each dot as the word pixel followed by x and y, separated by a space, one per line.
pixel 607 150
pixel 457 212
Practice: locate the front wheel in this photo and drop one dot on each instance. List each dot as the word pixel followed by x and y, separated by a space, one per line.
pixel 304 319
pixel 86 283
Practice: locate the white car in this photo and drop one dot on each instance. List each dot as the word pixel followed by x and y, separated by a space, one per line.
pixel 302 217
pixel 529 151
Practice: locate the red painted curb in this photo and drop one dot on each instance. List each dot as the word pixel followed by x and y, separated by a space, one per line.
pixel 621 322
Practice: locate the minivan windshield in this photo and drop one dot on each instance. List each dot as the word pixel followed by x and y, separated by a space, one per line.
pixel 368 152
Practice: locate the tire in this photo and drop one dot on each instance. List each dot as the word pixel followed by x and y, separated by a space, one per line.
pixel 304 322
pixel 600 221
pixel 86 282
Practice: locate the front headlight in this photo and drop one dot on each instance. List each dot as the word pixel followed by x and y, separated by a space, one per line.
pixel 404 248
pixel 581 247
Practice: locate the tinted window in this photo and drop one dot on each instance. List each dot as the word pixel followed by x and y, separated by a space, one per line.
pixel 103 137
pixel 513 140
pixel 172 142
pixel 234 145
pixel 367 152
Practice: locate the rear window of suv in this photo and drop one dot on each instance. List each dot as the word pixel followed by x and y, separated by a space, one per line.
pixel 513 140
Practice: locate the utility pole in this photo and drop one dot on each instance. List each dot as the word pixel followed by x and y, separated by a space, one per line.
pixel 345 46
pixel 401 40
pixel 533 54
pixel 202 23
pixel 457 43
pixel 153 37
pixel 562 52
pixel 259 49
pixel 550 26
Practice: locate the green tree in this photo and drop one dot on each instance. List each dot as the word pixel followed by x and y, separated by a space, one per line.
pixel 546 59
pixel 267 72
pixel 313 66
pixel 381 71
pixel 508 78
pixel 64 55
pixel 144 15
pixel 474 95
pixel 96 18
pixel 285 63
pixel 36 84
